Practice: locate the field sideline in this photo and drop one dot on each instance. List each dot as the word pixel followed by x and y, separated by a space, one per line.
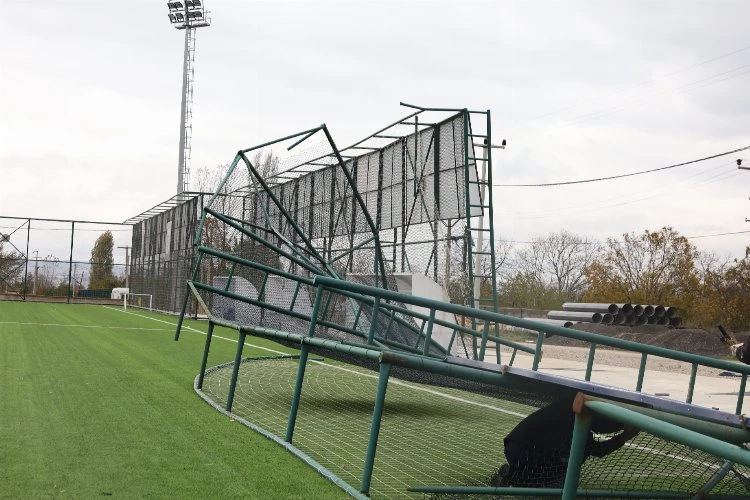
pixel 97 402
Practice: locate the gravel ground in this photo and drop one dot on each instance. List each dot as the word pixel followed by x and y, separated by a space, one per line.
pixel 696 341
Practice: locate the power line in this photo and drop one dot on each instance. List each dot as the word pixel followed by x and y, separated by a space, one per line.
pixel 597 179
pixel 619 241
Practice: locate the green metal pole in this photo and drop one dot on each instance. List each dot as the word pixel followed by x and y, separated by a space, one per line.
pixel 671 432
pixel 377 415
pixel 577 455
pixel 641 372
pixel 302 365
pixel 483 345
pixel 557 492
pixel 235 370
pixel 181 318
pixel 741 396
pixel 209 334
pixel 373 321
pixel 428 332
pixel 590 362
pixel 691 384
pixel 714 480
pixel 70 262
pixel 538 353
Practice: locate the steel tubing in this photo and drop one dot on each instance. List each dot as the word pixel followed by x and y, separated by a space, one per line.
pixel 670 312
pixel 626 309
pixel 648 310
pixel 592 317
pixel 675 322
pixel 659 311
pixel 637 310
pixel 607 319
pixel 590 307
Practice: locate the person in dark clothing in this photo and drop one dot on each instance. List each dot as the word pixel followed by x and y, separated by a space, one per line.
pixel 537 449
pixel 742 351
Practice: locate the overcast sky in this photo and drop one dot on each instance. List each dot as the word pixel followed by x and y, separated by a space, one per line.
pixel 90 101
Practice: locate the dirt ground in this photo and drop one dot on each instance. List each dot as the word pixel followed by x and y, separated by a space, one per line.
pixel 698 341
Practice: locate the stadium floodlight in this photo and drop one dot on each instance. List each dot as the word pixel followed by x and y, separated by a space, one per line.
pixel 187 15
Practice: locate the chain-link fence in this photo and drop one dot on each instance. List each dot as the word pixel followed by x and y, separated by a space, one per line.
pixel 62 260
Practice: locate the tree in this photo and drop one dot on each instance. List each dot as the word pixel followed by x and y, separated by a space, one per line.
pixel 651 268
pixel 102 262
pixel 11 267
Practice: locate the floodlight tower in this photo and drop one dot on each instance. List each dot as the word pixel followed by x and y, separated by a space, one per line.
pixel 187 15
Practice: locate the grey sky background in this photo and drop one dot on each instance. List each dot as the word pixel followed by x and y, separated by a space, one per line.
pixel 90 101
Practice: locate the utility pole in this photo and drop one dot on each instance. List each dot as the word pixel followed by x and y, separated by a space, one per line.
pixel 739 166
pixel 36 270
pixel 127 264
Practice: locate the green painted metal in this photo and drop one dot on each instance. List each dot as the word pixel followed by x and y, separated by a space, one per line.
pixel 714 480
pixel 70 262
pixel 209 335
pixel 741 395
pixel 428 332
pixel 294 295
pixel 557 492
pixel 533 325
pixel 231 275
pixel 641 372
pixel 671 432
pixel 356 247
pixel 512 357
pixel 691 384
pixel 350 490
pixel 181 317
pixel 377 415
pixel 379 264
pixel 301 366
pixel 483 344
pixel 255 265
pixel 276 141
pixel 491 218
pixel 297 258
pixel 590 362
pixel 577 455
pixel 235 370
pixel 199 233
pixel 538 353
pixel 373 322
pixel 737 434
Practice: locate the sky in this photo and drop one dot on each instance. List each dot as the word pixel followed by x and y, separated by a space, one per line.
pixel 90 101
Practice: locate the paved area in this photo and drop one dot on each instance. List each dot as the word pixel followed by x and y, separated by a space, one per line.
pixel 664 377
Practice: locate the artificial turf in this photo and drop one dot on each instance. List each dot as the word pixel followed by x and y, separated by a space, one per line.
pixel 95 402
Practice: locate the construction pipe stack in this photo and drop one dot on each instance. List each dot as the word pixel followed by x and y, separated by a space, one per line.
pixel 617 314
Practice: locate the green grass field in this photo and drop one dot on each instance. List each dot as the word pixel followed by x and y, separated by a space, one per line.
pixel 95 402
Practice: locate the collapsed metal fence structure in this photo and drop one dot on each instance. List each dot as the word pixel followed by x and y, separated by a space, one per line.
pixel 307 258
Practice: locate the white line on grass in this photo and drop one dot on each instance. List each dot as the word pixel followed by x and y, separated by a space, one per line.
pixel 392 381
pixel 83 326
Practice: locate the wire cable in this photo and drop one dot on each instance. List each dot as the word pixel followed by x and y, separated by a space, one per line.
pixel 597 179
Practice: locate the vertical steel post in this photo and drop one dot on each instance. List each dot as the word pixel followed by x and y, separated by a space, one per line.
pixel 641 372
pixel 691 384
pixel 70 261
pixel 377 415
pixel 538 352
pixel 209 334
pixel 577 455
pixel 235 370
pixel 428 332
pixel 483 345
pixel 301 368
pixel 373 321
pixel 26 271
pixel 187 297
pixel 741 396
pixel 590 362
